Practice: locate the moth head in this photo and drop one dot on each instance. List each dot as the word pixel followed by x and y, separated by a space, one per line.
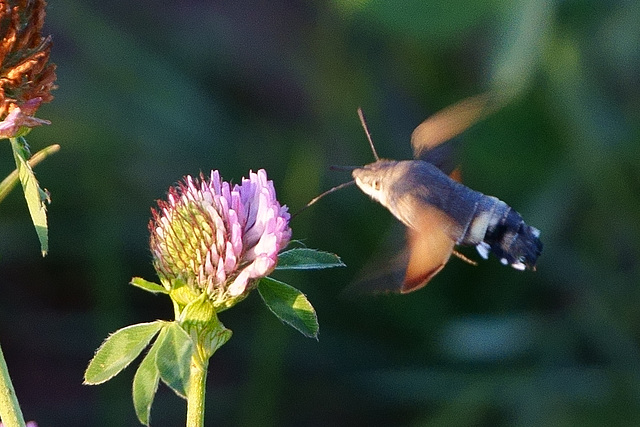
pixel 377 179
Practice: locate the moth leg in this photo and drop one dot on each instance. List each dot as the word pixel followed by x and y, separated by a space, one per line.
pixel 464 258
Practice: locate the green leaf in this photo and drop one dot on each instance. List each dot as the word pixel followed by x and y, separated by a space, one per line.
pixel 174 359
pixel 34 195
pixel 145 382
pixel 289 305
pixel 148 286
pixel 307 259
pixel 12 179
pixel 117 351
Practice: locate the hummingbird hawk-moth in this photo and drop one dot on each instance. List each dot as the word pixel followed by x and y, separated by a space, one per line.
pixel 439 212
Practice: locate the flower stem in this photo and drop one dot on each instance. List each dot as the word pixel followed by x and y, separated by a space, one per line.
pixel 196 392
pixel 9 408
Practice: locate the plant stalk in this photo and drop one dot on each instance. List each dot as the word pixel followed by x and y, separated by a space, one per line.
pixel 10 412
pixel 196 392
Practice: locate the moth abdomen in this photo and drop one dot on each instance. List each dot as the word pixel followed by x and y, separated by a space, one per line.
pixel 504 233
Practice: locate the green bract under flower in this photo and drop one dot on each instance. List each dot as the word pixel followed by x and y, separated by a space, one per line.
pixel 217 239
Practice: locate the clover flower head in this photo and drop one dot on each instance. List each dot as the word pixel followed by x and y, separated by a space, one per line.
pixel 216 238
pixel 26 76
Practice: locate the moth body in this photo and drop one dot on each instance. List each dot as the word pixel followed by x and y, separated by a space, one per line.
pixel 418 193
pixel 438 211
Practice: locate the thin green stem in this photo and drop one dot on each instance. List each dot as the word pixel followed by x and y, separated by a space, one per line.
pixel 9 408
pixel 196 392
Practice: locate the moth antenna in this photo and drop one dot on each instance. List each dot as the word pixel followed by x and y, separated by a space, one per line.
pixel 315 199
pixel 366 131
pixel 465 259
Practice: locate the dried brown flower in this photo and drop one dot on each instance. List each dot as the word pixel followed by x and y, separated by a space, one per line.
pixel 26 76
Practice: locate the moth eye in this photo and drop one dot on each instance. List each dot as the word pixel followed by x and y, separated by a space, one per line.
pixel 376 185
pixel 522 259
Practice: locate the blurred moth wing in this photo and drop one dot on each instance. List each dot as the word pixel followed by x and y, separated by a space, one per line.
pixel 433 140
pixel 429 248
pixel 420 254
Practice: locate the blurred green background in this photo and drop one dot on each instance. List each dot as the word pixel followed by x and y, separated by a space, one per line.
pixel 149 93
